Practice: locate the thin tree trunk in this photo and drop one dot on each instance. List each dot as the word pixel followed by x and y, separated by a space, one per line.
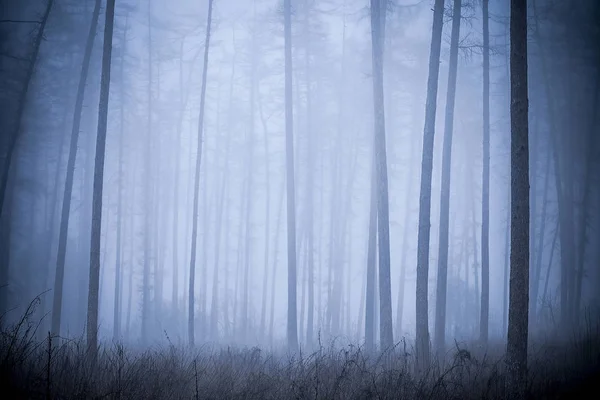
pixel 519 250
pixel 263 313
pixel 197 180
pixel 422 308
pixel 118 267
pixel 383 234
pixel 485 195
pixel 309 188
pixel 442 272
pixel 92 316
pixel 371 257
pixel 540 247
pixel 147 193
pixel 275 262
pixel 506 270
pixel 292 323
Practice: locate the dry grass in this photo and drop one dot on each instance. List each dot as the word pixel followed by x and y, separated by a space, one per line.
pixel 60 369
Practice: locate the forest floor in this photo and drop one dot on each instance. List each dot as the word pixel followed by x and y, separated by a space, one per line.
pixel 31 369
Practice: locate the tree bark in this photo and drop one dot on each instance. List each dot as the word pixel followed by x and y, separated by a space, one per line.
pixel 442 272
pixel 516 350
pixel 485 196
pixel 197 180
pixel 383 234
pixel 292 330
pixel 422 325
pixel 92 315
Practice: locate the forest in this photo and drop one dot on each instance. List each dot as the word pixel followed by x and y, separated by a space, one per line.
pixel 306 199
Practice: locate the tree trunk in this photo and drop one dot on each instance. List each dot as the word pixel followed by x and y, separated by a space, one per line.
pixel 197 180
pixel 12 143
pixel 485 196
pixel 516 350
pixel 422 326
pixel 385 290
pixel 292 330
pixel 592 139
pixel 92 317
pixel 310 160
pixel 371 257
pixel 118 266
pixel 275 262
pixel 263 314
pixel 442 273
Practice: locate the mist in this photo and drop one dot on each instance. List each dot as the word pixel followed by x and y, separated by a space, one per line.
pixel 297 175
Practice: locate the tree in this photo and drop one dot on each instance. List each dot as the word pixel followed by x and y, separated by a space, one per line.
pixel 197 179
pixel 66 205
pixel 92 314
pixel 442 277
pixel 292 329
pixel 485 206
pixel 422 326
pixel 22 102
pixel 518 314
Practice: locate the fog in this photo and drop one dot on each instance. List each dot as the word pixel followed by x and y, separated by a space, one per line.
pixel 153 203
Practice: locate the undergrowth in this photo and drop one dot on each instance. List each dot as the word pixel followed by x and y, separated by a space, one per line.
pixel 61 369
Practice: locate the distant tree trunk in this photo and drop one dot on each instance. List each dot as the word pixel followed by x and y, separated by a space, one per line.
pixel 263 314
pixel 383 234
pixel 118 266
pixel 214 312
pixel 516 350
pixel 292 330
pixel 485 196
pixel 422 326
pixel 12 142
pixel 251 191
pixel 310 188
pixel 562 190
pixel 177 173
pixel 442 273
pixel 197 180
pixel 278 224
pixel 405 235
pixel 92 317
pixel 371 258
pixel 540 246
pixel 147 191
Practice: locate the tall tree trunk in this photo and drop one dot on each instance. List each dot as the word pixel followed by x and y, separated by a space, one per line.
pixel 442 273
pixel 592 140
pixel 292 323
pixel 485 196
pixel 506 270
pixel 540 246
pixel 263 314
pixel 516 349
pixel 371 258
pixel 422 308
pixel 197 180
pixel 147 192
pixel 12 143
pixel 383 228
pixel 406 234
pixel 278 224
pixel 118 266
pixel 310 160
pixel 92 316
